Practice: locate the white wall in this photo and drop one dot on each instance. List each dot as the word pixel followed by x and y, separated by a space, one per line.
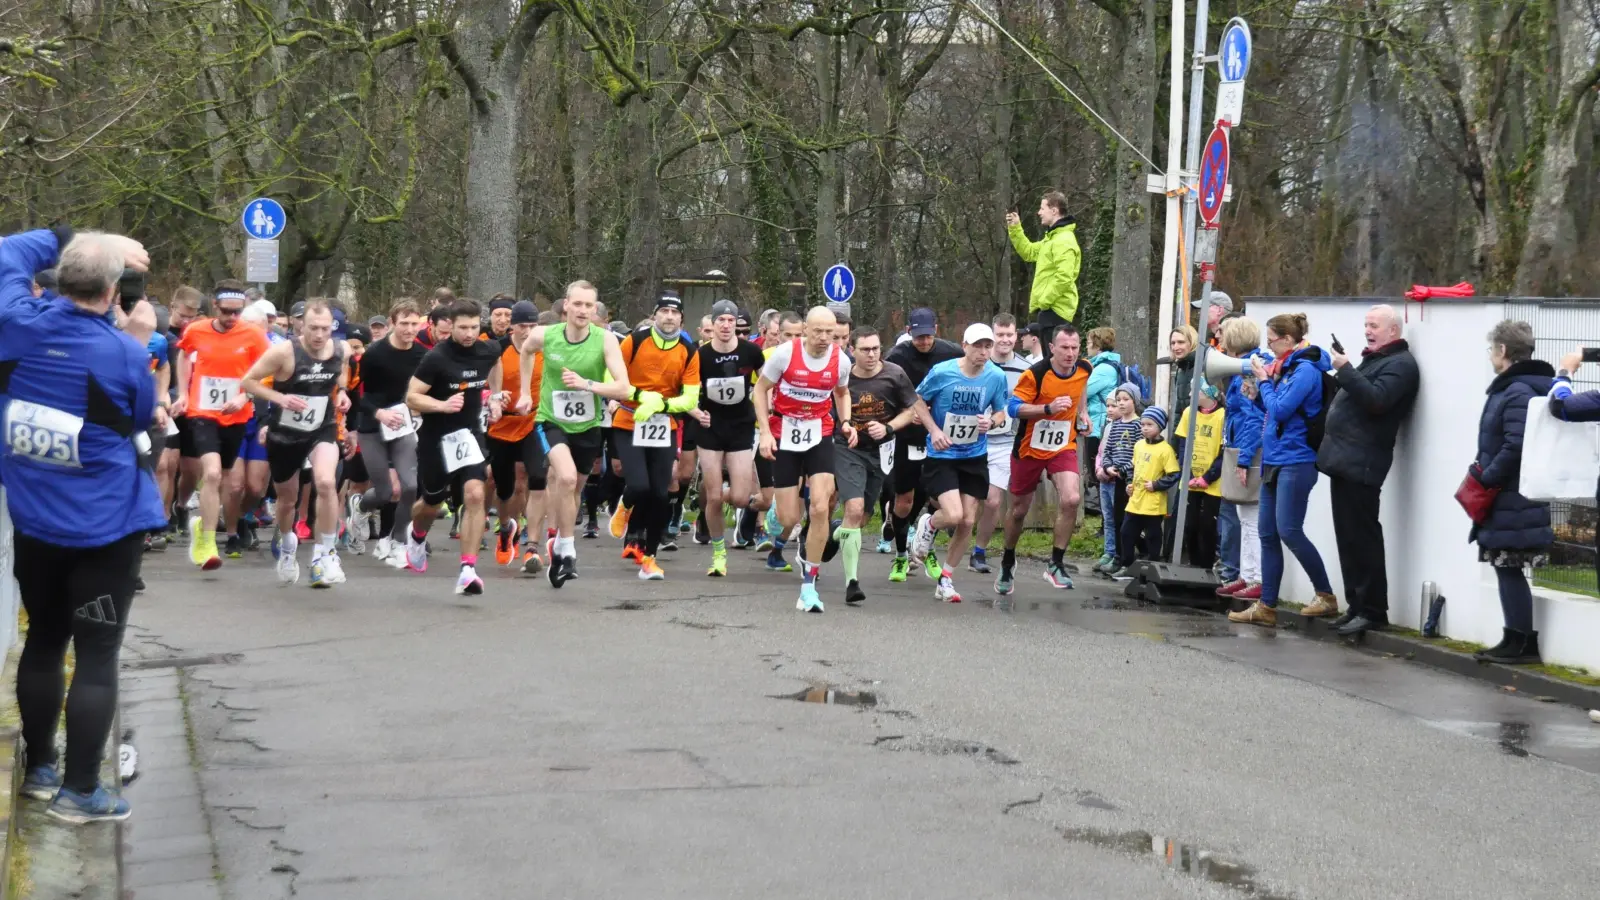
pixel 1425 531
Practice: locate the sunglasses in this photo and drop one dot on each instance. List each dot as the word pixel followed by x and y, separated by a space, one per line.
pixel 229 312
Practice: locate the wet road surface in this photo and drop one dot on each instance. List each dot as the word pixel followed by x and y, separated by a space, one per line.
pixel 699 738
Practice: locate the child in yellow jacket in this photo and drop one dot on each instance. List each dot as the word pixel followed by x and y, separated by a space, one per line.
pixel 1155 470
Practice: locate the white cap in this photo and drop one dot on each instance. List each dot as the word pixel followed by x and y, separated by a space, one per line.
pixel 976 332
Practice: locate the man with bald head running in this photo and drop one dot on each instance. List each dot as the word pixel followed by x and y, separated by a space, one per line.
pixel 807 379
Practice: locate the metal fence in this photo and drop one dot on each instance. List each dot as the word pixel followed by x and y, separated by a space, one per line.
pixel 1561 326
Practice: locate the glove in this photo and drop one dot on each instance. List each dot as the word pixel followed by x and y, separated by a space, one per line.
pixel 650 403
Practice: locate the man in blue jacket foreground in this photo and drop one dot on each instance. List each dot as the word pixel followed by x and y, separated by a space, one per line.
pixel 75 392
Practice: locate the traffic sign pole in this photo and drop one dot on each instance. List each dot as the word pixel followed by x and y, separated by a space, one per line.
pixel 263 220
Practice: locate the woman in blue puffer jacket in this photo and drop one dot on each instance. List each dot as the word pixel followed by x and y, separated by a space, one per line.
pixel 1290 397
pixel 1239 539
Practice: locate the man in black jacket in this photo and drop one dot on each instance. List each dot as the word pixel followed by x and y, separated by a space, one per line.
pixel 1357 450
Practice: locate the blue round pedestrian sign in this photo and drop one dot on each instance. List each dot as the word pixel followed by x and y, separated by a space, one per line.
pixel 1233 54
pixel 264 219
pixel 1213 175
pixel 839 283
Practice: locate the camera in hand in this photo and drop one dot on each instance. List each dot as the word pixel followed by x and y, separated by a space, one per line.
pixel 1591 354
pixel 131 288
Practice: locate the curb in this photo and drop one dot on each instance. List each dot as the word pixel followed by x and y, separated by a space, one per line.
pixel 1425 651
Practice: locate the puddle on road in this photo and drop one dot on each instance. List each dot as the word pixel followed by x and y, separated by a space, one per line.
pixel 1193 861
pixel 946 747
pixel 1523 739
pixel 827 693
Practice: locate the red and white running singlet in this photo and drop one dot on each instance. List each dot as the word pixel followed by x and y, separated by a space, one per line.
pixel 802 394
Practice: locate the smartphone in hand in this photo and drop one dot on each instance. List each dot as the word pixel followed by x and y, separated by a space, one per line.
pixel 1591 354
pixel 1337 347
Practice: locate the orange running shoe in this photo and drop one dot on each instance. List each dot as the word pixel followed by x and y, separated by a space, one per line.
pixel 505 545
pixel 649 571
pixel 619 521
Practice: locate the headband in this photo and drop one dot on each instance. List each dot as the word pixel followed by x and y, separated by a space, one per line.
pixel 230 295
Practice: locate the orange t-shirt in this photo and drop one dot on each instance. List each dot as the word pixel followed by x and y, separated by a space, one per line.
pixel 511 426
pixel 654 369
pixel 218 361
pixel 1039 389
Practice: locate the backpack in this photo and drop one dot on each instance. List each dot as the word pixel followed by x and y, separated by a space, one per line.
pixel 1122 373
pixel 1138 379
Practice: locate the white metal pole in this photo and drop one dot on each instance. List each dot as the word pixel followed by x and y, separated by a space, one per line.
pixel 1197 95
pixel 1169 256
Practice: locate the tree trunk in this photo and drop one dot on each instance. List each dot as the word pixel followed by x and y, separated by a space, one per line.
pixel 1003 201
pixel 1365 119
pixel 1131 311
pixel 826 245
pixel 1330 235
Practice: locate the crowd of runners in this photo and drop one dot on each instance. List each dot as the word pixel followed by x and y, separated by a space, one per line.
pixel 525 429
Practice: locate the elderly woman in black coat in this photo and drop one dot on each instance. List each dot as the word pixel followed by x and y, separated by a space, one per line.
pixel 1516 532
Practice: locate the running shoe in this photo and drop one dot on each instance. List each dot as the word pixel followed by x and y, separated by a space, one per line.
pixel 1003 585
pixel 669 542
pixel 809 601
pixel 1058 578
pixel 776 562
pixel 632 552
pixel 416 554
pixel 931 566
pixel 922 542
pixel 684 527
pixel 532 563
pixel 946 589
pixel 382 547
pixel 675 525
pixel 591 529
pixel 352 507
pixel 719 562
pixel 1105 564
pixel 138 584
pixel 302 530
pixel 320 577
pixel 562 569
pixel 619 521
pixel 764 544
pixel 898 569
pixel 885 546
pixel 158 542
pixel 81 809
pixel 288 566
pixel 41 783
pixel 702 534
pixel 353 541
pixel 979 562
pixel 649 571
pixel 333 567
pixel 505 544
pixel 468 581
pixel 853 594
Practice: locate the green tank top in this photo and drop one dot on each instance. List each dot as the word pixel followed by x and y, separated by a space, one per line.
pixel 587 358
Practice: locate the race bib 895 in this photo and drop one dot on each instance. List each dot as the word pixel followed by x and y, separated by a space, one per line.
pixel 43 434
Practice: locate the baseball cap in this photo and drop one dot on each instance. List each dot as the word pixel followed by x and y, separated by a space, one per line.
pixel 523 312
pixel 744 318
pixel 377 320
pixel 976 332
pixel 669 300
pixel 298 310
pixel 358 333
pixel 265 309
pixel 1218 298
pixel 725 308
pixel 922 322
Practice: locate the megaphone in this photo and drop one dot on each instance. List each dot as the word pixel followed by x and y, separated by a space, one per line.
pixel 1220 367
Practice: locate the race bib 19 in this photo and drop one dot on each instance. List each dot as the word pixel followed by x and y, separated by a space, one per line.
pixel 309 419
pixel 215 393
pixel 1050 434
pixel 408 423
pixel 461 448
pixel 961 429
pixel 726 391
pixel 655 431
pixel 800 434
pixel 572 406
pixel 43 434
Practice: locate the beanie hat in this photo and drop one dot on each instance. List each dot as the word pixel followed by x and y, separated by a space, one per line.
pixel 1132 390
pixel 1157 415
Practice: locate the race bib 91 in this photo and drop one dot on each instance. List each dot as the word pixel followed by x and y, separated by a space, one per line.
pixel 43 434
pixel 215 393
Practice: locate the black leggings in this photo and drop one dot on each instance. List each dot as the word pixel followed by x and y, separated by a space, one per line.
pixel 82 596
pixel 647 471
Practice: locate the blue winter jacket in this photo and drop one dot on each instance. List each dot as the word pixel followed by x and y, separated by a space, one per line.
pixel 1102 381
pixel 74 391
pixel 1242 426
pixel 1290 402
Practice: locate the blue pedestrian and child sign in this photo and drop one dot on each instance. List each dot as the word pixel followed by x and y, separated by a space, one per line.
pixel 264 219
pixel 839 283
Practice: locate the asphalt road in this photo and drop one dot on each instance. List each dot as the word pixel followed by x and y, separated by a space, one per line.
pixel 388 739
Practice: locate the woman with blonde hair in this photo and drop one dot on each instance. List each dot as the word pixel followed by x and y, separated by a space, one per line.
pixel 1238 537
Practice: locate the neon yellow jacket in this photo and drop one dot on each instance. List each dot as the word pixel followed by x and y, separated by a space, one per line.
pixel 1055 259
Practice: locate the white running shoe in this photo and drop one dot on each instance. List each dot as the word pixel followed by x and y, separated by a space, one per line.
pixel 288 566
pixel 416 555
pixel 382 547
pixel 468 581
pixel 922 545
pixel 946 591
pixel 332 569
pixel 352 538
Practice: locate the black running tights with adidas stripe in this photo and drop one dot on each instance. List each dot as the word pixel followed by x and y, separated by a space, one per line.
pixel 78 595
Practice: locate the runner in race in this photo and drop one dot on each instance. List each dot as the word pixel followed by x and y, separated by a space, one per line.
pixel 917 355
pixel 216 353
pixel 808 379
pixel 882 403
pixel 387 430
pixel 727 420
pixel 448 392
pixel 665 373
pixel 1002 441
pixel 582 364
pixel 250 475
pixel 965 398
pixel 514 446
pixel 309 375
pixel 1048 401
pixel 783 328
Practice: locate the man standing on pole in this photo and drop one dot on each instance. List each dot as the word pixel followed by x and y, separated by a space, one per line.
pixel 1053 300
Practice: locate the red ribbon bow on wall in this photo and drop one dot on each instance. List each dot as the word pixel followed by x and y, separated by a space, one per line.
pixel 1423 292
